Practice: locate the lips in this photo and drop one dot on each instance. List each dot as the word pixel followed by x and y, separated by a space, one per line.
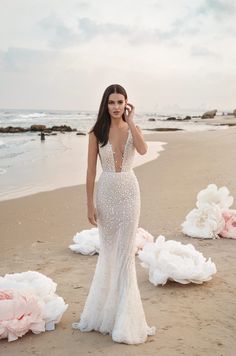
pixel 116 112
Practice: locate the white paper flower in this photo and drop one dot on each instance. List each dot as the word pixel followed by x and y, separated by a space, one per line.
pixel 175 261
pixel 35 282
pixel 205 222
pixel 86 242
pixel 213 195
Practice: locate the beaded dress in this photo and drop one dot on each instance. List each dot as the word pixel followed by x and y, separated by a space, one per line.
pixel 113 304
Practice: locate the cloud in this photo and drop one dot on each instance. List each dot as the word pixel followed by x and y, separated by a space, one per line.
pixel 162 49
pixel 200 51
pixel 59 34
pixel 219 8
pixel 90 29
pixel 23 59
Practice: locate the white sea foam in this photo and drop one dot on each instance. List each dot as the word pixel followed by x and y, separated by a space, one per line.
pixel 33 115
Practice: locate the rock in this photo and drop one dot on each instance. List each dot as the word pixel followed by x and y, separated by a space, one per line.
pixel 209 114
pixel 172 118
pixel 37 127
pixel 62 128
pixel 187 118
pixel 165 129
pixel 151 119
pixel 234 112
pixel 13 129
pixel 80 133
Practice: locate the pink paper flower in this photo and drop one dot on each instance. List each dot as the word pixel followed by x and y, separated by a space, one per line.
pixel 142 237
pixel 229 230
pixel 19 313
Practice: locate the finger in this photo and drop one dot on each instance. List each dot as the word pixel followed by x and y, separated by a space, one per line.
pixel 91 220
pixel 94 223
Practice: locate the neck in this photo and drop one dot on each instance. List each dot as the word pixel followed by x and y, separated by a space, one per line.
pixel 119 123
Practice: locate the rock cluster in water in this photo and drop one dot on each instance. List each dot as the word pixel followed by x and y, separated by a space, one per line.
pixel 38 128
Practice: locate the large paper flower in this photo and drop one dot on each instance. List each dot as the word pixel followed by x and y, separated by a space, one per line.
pixel 175 261
pixel 229 229
pixel 35 282
pixel 19 313
pixel 43 288
pixel 213 195
pixel 87 241
pixel 142 237
pixel 205 222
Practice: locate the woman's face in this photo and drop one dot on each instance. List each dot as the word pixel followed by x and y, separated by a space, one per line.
pixel 116 105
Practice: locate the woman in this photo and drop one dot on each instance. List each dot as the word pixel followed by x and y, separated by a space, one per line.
pixel 113 304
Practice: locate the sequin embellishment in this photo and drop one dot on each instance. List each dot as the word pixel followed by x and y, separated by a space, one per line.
pixel 113 304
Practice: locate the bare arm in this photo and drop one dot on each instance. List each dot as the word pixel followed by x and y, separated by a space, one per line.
pixel 91 175
pixel 138 139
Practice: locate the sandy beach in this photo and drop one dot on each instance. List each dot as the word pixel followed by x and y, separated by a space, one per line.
pixel 191 320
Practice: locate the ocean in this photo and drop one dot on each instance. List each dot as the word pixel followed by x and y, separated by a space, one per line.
pixel 29 165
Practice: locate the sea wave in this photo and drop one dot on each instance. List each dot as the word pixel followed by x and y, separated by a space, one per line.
pixel 33 115
pixel 3 171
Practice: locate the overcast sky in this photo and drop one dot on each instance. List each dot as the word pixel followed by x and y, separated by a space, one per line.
pixel 168 54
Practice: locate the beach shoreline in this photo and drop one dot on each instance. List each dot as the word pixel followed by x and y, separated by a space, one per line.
pixel 37 229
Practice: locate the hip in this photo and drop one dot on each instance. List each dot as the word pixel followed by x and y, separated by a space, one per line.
pixel 112 184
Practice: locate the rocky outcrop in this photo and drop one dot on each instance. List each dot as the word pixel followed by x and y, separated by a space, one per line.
pixel 62 128
pixel 165 129
pixel 171 118
pixel 80 133
pixel 209 114
pixel 36 128
pixel 13 129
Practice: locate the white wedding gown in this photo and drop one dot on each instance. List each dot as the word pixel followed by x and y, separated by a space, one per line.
pixel 113 304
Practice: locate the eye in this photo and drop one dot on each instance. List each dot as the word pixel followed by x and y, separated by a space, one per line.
pixel 120 102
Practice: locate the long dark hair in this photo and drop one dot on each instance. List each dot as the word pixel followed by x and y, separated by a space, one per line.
pixel 102 125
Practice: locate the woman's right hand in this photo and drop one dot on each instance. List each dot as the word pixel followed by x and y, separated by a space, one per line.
pixel 92 215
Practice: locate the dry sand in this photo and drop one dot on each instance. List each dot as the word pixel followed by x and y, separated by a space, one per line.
pixel 190 319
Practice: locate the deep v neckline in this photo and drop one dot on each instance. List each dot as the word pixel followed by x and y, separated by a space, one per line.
pixel 122 161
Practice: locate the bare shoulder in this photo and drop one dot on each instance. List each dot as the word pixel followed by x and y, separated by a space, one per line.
pixel 92 135
pixel 93 142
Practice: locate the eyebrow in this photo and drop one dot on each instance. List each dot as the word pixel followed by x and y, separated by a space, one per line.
pixel 111 101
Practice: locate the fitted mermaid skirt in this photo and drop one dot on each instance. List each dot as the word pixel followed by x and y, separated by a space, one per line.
pixel 113 304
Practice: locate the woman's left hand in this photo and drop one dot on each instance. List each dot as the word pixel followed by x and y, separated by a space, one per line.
pixel 130 115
